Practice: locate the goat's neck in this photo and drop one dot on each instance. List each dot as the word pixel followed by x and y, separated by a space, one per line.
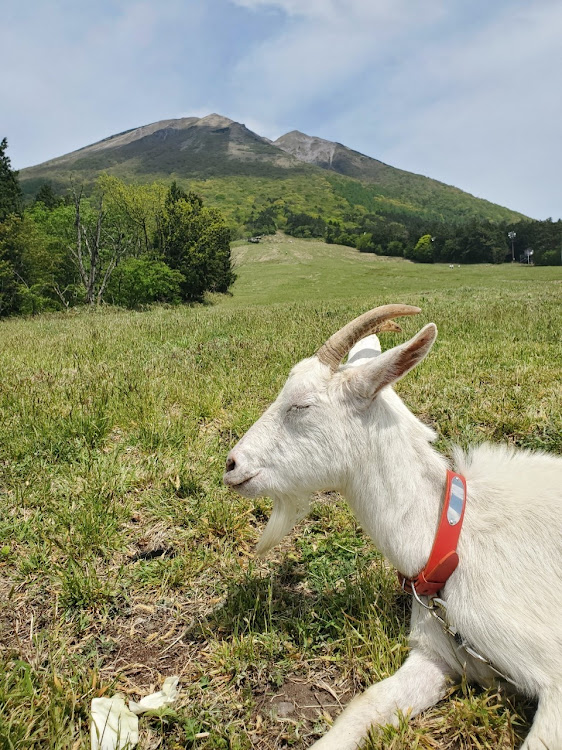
pixel 397 491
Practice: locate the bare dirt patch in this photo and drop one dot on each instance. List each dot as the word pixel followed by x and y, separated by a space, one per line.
pixel 310 700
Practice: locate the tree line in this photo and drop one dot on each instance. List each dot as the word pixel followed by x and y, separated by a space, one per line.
pixel 128 245
pixel 472 240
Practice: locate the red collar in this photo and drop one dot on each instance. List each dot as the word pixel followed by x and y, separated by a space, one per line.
pixel 443 558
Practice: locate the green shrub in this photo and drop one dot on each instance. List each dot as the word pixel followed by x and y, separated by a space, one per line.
pixel 141 281
pixel 35 299
pixel 549 258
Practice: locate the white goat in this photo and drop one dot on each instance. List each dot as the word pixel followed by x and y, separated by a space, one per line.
pixel 340 427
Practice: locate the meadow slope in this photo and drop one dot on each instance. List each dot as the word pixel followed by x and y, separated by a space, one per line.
pixel 123 559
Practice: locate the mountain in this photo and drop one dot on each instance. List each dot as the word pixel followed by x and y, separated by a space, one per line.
pixel 233 167
pixel 390 181
pixel 337 157
pixel 204 147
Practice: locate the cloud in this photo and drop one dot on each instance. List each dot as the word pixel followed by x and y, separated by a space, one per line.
pixel 310 9
pixel 464 92
pixel 321 52
pixel 468 98
pixel 484 111
pixel 80 73
pixel 348 12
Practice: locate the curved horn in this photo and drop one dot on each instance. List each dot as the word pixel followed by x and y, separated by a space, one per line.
pixel 338 345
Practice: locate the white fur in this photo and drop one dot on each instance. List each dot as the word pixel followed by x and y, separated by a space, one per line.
pixel 349 432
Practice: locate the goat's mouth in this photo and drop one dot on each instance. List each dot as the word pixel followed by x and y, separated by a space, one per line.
pixel 239 484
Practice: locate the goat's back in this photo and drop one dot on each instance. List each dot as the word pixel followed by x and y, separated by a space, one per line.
pixel 505 593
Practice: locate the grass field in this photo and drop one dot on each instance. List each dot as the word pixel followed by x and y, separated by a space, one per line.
pixel 124 560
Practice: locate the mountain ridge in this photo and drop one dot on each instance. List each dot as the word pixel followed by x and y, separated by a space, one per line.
pixel 215 147
pixel 162 128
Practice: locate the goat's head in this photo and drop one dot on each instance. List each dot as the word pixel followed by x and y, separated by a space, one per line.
pixel 304 442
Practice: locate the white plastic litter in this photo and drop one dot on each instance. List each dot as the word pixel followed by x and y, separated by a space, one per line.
pixel 164 697
pixel 116 727
pixel 113 727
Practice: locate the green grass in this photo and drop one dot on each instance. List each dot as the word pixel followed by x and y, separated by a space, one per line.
pixel 285 269
pixel 123 559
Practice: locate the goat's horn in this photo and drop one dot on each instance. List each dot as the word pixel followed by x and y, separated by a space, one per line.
pixel 338 345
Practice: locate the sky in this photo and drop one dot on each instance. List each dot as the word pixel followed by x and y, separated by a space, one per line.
pixel 464 91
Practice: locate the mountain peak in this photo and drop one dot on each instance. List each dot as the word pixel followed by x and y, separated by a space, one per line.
pixel 334 156
pixel 308 148
pixel 215 121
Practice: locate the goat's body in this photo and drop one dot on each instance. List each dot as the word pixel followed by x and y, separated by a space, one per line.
pixel 506 593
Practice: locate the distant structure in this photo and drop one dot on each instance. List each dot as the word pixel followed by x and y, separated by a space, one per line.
pixel 527 256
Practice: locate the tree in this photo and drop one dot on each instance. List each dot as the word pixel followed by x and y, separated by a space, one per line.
pixel 24 267
pixel 422 252
pixel 101 241
pixel 59 252
pixel 9 259
pixel 177 193
pixel 52 260
pixel 10 192
pixel 46 196
pixel 333 230
pixel 305 225
pixel 481 242
pixel 364 243
pixel 136 208
pixel 262 221
pixel 545 239
pixel 395 248
pixel 33 266
pixel 195 240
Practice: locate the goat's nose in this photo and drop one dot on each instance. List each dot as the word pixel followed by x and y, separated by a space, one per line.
pixel 230 464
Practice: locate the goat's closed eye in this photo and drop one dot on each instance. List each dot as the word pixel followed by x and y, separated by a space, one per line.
pixel 295 409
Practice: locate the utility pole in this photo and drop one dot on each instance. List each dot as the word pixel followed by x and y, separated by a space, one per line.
pixel 512 236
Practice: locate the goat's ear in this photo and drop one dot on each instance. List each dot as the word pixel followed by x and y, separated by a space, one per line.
pixel 368 379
